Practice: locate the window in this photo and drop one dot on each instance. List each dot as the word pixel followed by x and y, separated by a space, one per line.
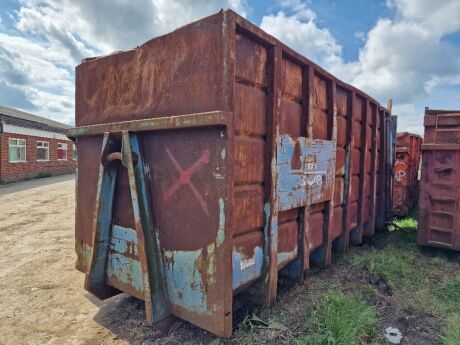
pixel 74 152
pixel 43 151
pixel 16 150
pixel 62 151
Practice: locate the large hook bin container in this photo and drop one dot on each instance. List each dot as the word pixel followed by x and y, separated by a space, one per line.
pixel 211 159
pixel 439 201
pixel 406 172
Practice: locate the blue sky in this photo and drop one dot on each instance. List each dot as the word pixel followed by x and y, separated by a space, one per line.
pixel 407 50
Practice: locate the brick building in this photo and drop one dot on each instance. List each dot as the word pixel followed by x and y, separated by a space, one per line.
pixel 33 146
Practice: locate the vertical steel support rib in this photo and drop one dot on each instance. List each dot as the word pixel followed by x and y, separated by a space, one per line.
pixel 304 228
pixel 380 221
pixel 329 211
pixel 342 243
pixel 156 306
pixel 102 221
pixel 270 275
pixel 375 118
pixel 357 237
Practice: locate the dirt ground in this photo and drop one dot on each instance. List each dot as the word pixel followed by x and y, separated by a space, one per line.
pixel 42 300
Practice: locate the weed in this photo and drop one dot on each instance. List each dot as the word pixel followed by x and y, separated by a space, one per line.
pixel 422 302
pixel 451 332
pixel 448 295
pixel 340 320
pixel 398 268
pixel 401 263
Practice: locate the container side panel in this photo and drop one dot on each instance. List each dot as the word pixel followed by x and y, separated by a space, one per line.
pixel 439 209
pixel 321 120
pixel 249 164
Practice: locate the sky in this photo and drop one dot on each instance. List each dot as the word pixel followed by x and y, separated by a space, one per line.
pixel 406 50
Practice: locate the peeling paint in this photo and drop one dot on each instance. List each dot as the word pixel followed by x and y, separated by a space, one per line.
pixel 126 270
pixel 185 285
pixel 305 171
pixel 221 229
pixel 287 256
pixel 124 240
pixel 85 252
pixel 218 176
pixel 246 269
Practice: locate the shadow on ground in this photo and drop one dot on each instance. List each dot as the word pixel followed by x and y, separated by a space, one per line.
pixel 14 187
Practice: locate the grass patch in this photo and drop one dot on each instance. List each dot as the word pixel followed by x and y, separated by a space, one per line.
pixel 340 320
pixel 399 268
pixel 400 262
pixel 448 296
pixel 422 302
pixel 451 331
pixel 406 223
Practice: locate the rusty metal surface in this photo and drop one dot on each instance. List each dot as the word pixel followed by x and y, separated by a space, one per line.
pixel 406 170
pixel 439 220
pixel 211 118
pixel 226 127
pixel 305 171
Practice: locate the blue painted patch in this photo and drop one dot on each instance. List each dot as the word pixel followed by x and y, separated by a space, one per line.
pixel 305 171
pixel 293 269
pixel 126 270
pixel 185 285
pixel 246 269
pixel 317 254
pixel 122 264
pixel 354 235
pixel 124 240
pixel 105 194
pixel 287 256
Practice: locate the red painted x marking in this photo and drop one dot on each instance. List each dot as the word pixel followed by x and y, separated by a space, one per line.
pixel 184 178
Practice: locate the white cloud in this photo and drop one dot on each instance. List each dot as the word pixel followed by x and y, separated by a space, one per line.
pixel 35 73
pixel 113 25
pixel 52 36
pixel 300 32
pixel 404 58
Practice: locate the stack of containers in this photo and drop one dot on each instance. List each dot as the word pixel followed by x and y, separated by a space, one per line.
pixel 406 170
pixel 439 202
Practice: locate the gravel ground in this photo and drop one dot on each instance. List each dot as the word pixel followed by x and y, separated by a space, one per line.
pixel 41 294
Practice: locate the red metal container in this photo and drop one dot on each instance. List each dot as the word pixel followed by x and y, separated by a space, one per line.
pixel 406 169
pixel 239 158
pixel 439 214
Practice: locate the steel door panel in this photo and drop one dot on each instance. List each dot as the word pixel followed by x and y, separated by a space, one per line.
pixel 189 193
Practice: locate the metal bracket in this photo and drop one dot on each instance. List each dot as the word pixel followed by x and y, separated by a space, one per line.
pixel 148 246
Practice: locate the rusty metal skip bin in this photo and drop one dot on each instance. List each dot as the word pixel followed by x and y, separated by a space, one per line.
pixel 406 170
pixel 439 201
pixel 213 159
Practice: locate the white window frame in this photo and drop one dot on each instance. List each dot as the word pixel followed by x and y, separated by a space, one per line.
pixel 44 147
pixel 17 145
pixel 74 152
pixel 66 151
